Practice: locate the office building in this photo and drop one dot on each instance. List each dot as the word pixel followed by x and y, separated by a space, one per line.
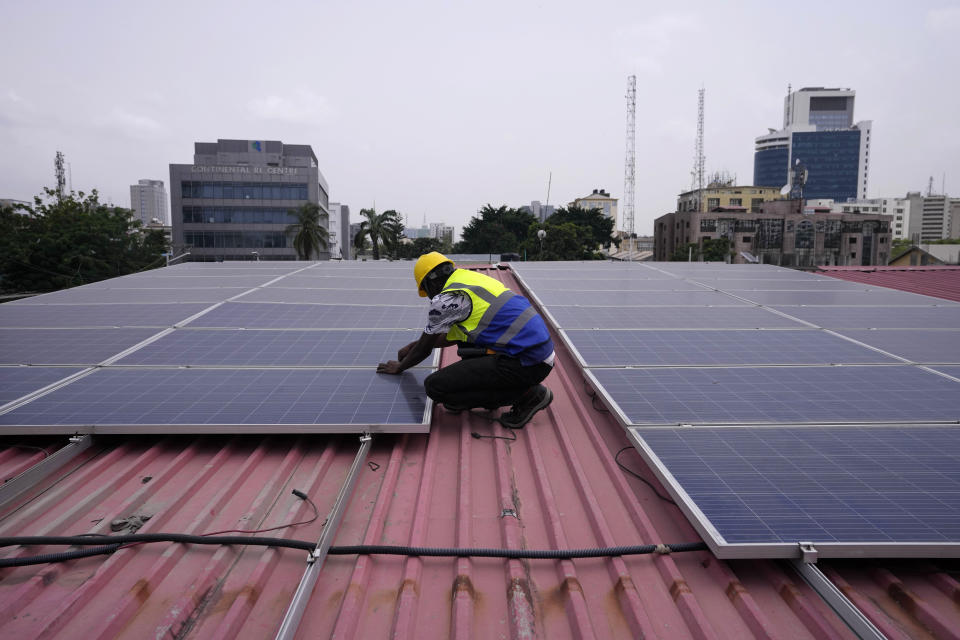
pixel 237 198
pixel 898 208
pixel 539 211
pixel 750 198
pixel 602 201
pixel 819 132
pixel 148 200
pixel 933 217
pixel 781 234
pixel 339 231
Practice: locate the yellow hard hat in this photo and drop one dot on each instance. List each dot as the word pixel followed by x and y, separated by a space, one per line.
pixel 425 264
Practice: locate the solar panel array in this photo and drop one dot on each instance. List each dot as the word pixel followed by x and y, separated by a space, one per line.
pixel 777 406
pixel 217 348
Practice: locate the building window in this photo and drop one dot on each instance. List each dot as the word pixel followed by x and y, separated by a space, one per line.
pixel 736 202
pixel 852 241
pixel 756 204
pixel 747 240
pixel 713 203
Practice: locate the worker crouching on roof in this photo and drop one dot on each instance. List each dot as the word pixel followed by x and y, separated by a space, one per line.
pixel 469 307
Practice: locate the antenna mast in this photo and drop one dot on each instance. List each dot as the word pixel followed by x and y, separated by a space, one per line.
pixel 629 169
pixel 61 176
pixel 699 161
pixel 930 187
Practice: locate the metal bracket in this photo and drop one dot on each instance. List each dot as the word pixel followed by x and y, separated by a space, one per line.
pixel 366 437
pixel 808 553
pixel 509 512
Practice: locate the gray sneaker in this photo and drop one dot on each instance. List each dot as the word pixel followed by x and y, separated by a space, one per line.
pixel 537 398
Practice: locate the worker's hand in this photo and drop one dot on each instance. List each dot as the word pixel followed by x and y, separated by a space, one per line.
pixel 392 367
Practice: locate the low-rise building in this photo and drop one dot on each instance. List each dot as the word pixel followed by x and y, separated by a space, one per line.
pixel 338 229
pixel 600 200
pixel 899 208
pixel 750 198
pixel 780 234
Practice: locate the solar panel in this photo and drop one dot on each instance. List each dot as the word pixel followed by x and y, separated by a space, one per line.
pixel 635 298
pixel 66 346
pixel 917 345
pixel 271 366
pixel 354 282
pixel 16 382
pixel 950 371
pixel 288 348
pixel 116 400
pixel 406 296
pixel 96 315
pixel 742 317
pixel 264 315
pixel 841 317
pixel 649 347
pixel 611 284
pixel 873 297
pixel 84 295
pixel 782 284
pixel 760 491
pixel 763 395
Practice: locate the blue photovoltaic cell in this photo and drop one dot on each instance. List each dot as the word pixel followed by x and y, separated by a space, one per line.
pixel 874 297
pixel 264 315
pixel 669 318
pixel 116 396
pixel 96 315
pixel 950 371
pixel 355 282
pixel 277 293
pixel 946 317
pixel 16 382
pixel 86 295
pixel 66 346
pixel 819 484
pixel 634 298
pixel 244 347
pixel 917 345
pixel 624 347
pixel 153 281
pixel 815 395
pixel 611 284
pixel 740 285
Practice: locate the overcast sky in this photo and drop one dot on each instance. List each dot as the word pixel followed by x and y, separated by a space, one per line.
pixel 436 108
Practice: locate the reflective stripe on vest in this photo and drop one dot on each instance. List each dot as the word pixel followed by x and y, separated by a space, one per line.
pixel 493 306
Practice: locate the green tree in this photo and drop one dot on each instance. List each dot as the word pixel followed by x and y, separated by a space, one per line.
pixel 420 246
pixel 495 230
pixel 310 234
pixel 384 231
pixel 715 250
pixel 683 252
pixel 593 228
pixel 900 246
pixel 73 240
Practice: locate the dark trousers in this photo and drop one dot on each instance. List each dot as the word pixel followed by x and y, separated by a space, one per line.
pixel 489 381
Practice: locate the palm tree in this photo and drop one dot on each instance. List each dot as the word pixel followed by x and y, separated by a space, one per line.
pixel 310 235
pixel 384 231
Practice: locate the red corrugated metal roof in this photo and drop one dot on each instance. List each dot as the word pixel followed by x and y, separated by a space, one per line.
pixel 938 281
pixel 443 489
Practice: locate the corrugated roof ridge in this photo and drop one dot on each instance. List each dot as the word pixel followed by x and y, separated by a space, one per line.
pixel 408 594
pixel 349 611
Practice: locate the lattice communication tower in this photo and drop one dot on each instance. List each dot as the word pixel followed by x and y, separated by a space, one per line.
pixel 629 169
pixel 61 175
pixel 699 161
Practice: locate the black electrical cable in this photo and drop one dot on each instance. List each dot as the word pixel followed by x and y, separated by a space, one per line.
pixel 636 475
pixel 363 549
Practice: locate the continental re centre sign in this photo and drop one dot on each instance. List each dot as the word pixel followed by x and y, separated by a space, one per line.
pixel 290 171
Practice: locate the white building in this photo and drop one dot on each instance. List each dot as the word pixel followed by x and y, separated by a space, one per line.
pixel 899 208
pixel 148 199
pixel 338 228
pixel 935 217
pixel 602 201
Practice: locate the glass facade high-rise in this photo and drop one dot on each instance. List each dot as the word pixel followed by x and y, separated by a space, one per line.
pixel 238 197
pixel 819 131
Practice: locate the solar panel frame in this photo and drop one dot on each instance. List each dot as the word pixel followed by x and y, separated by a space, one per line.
pixel 923 346
pixel 67 347
pixel 853 317
pixel 330 348
pixel 400 297
pixel 871 297
pixel 758 395
pixel 89 316
pixel 715 317
pixel 264 315
pixel 729 347
pixel 725 549
pixel 19 381
pixel 89 403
